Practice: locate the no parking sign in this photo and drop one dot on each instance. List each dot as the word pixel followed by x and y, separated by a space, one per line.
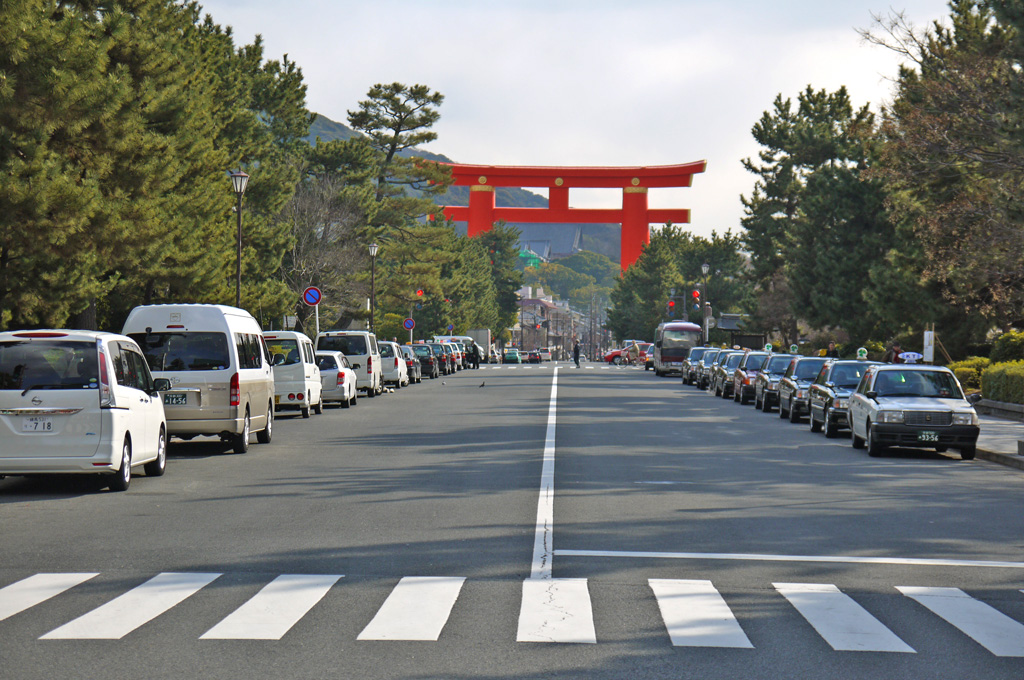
pixel 311 296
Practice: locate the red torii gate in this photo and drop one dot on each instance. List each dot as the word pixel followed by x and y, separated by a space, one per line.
pixel 634 216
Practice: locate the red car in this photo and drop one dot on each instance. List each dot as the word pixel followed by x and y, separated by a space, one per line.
pixel 618 356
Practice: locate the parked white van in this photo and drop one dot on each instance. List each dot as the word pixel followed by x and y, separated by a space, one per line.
pixel 393 364
pixel 296 372
pixel 77 402
pixel 363 353
pixel 222 383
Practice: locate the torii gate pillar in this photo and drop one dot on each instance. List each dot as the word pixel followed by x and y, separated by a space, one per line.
pixel 635 216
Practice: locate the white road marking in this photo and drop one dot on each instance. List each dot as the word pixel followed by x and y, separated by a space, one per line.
pixel 556 610
pixel 987 626
pixel 753 557
pixel 696 615
pixel 590 367
pixel 417 609
pixel 28 592
pixel 131 610
pixel 844 624
pixel 544 532
pixel 270 613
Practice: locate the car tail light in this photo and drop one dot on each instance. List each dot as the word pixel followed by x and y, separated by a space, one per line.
pixel 396 362
pixel 291 396
pixel 106 394
pixel 341 379
pixel 299 396
pixel 42 334
pixel 369 365
pixel 235 391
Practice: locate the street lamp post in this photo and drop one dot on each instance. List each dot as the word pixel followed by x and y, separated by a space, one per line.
pixel 705 269
pixel 373 284
pixel 238 181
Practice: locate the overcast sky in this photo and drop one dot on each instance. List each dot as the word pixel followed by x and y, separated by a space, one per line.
pixel 587 82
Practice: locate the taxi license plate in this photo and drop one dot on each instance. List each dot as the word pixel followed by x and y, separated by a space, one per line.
pixel 175 399
pixel 37 424
pixel 927 436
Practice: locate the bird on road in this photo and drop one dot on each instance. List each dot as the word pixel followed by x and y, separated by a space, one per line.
pixel 481 384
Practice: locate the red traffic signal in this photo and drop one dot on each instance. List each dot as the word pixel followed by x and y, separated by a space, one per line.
pixel 671 304
pixel 419 292
pixel 696 295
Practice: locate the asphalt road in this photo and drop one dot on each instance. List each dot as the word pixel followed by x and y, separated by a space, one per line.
pixel 637 529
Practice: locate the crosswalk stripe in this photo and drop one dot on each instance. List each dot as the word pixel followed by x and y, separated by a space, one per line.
pixel 556 610
pixel 38 588
pixel 270 613
pixel 417 609
pixel 989 627
pixel 138 606
pixel 843 623
pixel 696 615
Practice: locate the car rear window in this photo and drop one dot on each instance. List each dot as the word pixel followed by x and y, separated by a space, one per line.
pixel 422 351
pixel 284 347
pixel 184 351
pixel 386 350
pixel 349 345
pixel 49 365
pixel 326 363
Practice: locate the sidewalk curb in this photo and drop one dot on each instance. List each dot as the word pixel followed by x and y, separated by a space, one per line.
pixel 1002 458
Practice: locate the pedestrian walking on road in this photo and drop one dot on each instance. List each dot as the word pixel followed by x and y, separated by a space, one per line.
pixel 576 353
pixel 893 355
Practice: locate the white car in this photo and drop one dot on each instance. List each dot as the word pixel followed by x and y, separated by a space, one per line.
pixel 912 405
pixel 296 374
pixel 362 350
pixel 545 354
pixel 337 379
pixel 393 364
pixel 79 402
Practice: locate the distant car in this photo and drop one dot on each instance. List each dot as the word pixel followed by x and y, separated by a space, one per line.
pixel 703 377
pixel 829 397
pixel 430 363
pixel 79 402
pixel 512 356
pixel 795 386
pixel 493 357
pixel 297 382
pixel 744 376
pixel 766 386
pixel 647 355
pixel 689 370
pixel 412 364
pixel 454 356
pixel 533 356
pixel 444 366
pixel 393 364
pixel 545 354
pixel 722 374
pixel 912 405
pixel 337 378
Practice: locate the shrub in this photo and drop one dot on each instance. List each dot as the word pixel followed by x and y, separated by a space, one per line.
pixel 969 371
pixel 1008 347
pixel 1004 382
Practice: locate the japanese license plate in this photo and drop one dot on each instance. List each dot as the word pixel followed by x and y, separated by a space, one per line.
pixel 37 424
pixel 927 436
pixel 175 399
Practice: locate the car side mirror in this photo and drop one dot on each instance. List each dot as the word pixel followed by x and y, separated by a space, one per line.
pixel 974 398
pixel 161 384
pixel 871 394
pixel 830 385
pixel 278 360
pixel 658 343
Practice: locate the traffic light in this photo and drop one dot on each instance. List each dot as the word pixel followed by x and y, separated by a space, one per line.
pixel 696 299
pixel 419 292
pixel 671 308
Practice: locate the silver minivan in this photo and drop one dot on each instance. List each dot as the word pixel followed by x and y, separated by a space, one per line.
pixel 222 384
pixel 79 402
pixel 296 372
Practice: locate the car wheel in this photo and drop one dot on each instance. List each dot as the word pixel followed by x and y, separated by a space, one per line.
pixel 794 414
pixel 120 480
pixel 398 384
pixel 319 408
pixel 873 447
pixel 855 441
pixel 744 399
pixel 380 387
pixel 735 395
pixel 758 403
pixel 156 468
pixel 831 429
pixel 305 409
pixel 968 453
pixel 617 361
pixel 766 405
pixel 267 433
pixel 783 413
pixel 815 425
pixel 345 403
pixel 242 439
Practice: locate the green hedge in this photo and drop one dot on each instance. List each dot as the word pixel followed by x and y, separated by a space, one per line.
pixel 1008 347
pixel 969 371
pixel 1004 382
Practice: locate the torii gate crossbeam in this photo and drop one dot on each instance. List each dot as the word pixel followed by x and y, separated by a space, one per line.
pixel 634 216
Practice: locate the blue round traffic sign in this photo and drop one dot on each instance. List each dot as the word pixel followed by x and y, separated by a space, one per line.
pixel 311 296
pixel 451 327
pixel 409 324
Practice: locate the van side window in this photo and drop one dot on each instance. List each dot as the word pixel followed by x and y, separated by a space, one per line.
pixel 266 351
pixel 248 351
pixel 139 369
pixel 307 349
pixel 120 364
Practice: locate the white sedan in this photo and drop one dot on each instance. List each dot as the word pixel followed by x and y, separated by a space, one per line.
pixel 393 364
pixel 337 378
pixel 912 405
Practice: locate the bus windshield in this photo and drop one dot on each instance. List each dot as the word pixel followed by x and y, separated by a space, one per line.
pixel 681 338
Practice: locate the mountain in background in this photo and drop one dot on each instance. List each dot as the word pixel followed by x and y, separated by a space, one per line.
pixel 548 240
